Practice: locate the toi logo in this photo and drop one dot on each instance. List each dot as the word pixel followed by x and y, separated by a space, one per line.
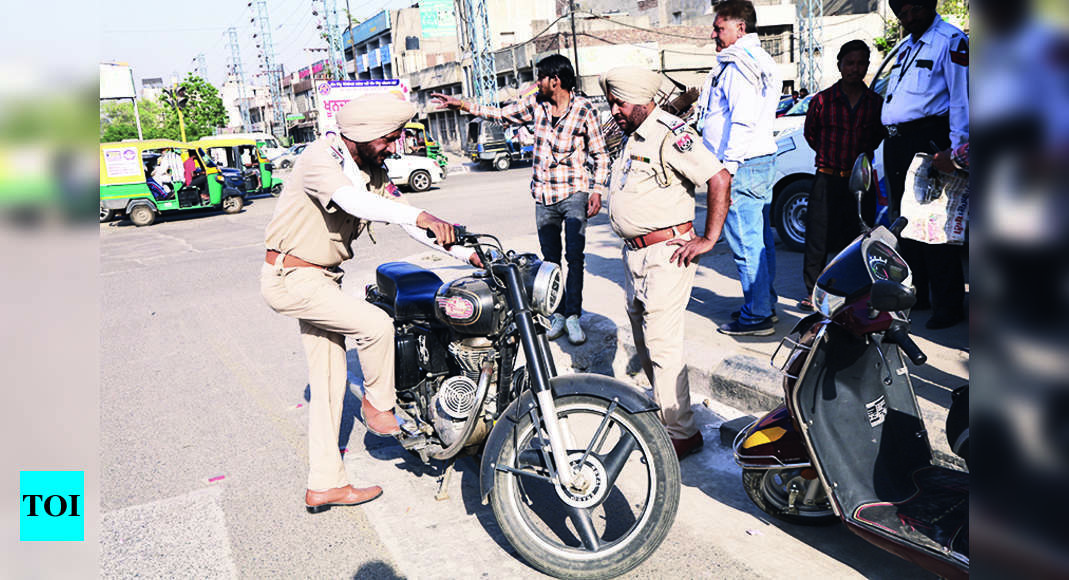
pixel 52 506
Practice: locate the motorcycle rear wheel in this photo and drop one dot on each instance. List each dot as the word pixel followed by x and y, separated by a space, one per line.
pixel 770 490
pixel 617 521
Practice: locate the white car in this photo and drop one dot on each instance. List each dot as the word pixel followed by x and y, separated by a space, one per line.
pixel 795 168
pixel 415 172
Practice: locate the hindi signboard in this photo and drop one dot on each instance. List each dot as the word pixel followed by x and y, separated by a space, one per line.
pixel 332 96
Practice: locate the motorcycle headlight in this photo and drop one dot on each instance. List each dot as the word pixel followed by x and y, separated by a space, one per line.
pixel 548 288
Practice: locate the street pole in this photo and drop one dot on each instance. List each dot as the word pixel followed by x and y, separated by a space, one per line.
pixel 137 117
pixel 575 47
pixel 181 123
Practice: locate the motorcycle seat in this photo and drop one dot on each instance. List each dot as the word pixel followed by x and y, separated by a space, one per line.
pixel 409 288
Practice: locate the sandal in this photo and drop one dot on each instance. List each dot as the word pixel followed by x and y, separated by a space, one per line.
pixel 806 305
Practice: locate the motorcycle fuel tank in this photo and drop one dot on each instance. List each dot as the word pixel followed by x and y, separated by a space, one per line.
pixel 470 306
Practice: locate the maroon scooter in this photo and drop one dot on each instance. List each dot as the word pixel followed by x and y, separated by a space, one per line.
pixel 849 443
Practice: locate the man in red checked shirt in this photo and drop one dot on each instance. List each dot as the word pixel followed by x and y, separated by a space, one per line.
pixel 843 121
pixel 566 135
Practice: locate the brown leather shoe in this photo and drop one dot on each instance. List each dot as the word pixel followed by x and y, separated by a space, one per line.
pixel 685 447
pixel 321 501
pixel 381 423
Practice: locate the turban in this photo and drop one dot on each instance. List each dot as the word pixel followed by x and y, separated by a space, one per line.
pixel 367 118
pixel 631 84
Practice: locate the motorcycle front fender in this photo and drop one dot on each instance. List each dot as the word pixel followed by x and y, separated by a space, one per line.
pixel 627 397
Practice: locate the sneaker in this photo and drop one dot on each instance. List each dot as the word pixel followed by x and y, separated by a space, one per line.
pixel 735 316
pixel 736 328
pixel 575 332
pixel 556 326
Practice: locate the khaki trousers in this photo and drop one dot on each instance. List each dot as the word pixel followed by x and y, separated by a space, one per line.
pixel 327 316
pixel 657 296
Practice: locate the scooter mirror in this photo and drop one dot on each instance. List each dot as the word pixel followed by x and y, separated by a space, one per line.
pixel 861 175
pixel 890 296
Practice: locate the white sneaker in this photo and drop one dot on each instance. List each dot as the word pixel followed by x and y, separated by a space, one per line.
pixel 556 326
pixel 575 332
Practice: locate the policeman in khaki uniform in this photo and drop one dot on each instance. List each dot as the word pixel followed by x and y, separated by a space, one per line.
pixel 338 185
pixel 651 206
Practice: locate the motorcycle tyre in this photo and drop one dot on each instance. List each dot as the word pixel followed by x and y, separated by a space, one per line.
pixel 752 482
pixel 506 500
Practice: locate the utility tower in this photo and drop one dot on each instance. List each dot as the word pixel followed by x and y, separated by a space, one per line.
pixel 199 68
pixel 810 14
pixel 269 66
pixel 235 70
pixel 332 35
pixel 475 26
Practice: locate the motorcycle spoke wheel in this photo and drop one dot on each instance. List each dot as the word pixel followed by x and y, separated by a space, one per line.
pixel 772 490
pixel 622 504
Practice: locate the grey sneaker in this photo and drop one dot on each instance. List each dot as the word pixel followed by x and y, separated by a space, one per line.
pixel 575 332
pixel 556 326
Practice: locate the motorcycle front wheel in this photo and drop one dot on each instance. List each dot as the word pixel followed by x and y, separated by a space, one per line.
pixel 619 509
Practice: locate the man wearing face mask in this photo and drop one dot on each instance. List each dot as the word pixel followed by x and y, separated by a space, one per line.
pixel 338 185
pixel 927 110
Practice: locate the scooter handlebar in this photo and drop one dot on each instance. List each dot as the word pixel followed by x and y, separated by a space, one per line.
pixel 900 336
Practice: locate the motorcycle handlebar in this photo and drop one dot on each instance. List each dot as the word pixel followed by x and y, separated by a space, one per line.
pixel 898 225
pixel 900 336
pixel 459 230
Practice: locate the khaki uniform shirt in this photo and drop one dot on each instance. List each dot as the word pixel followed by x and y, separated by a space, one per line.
pixel 306 223
pixel 653 180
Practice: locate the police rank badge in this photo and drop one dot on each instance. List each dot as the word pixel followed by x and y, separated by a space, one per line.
pixel 684 143
pixel 392 189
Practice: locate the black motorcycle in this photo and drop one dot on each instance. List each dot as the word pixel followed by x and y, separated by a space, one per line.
pixel 580 472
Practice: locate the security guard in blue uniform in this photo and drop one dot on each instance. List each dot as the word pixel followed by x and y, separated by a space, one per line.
pixel 927 110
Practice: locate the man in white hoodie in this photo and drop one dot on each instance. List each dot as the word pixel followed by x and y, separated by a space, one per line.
pixel 738 107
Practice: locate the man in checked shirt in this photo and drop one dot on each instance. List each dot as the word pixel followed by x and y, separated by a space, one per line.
pixel 566 134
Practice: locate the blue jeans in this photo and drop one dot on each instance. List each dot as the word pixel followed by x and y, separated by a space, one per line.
pixel 748 229
pixel 549 219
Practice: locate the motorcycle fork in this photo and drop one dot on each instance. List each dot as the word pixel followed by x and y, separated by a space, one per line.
pixel 541 369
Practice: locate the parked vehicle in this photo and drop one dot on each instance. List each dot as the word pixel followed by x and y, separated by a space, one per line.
pixel 796 167
pixel 242 160
pixel 288 157
pixel 581 474
pixel 488 144
pixel 849 443
pixel 793 117
pixel 127 185
pixel 413 171
pixel 268 143
pixel 417 142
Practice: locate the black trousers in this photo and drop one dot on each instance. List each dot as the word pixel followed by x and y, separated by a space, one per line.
pixel 831 223
pixel 937 268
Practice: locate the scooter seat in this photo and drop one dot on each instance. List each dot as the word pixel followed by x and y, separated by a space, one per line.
pixel 409 288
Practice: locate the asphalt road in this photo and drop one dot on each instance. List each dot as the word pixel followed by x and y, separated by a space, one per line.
pixel 203 423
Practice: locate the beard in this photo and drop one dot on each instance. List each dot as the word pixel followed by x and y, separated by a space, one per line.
pixel 369 156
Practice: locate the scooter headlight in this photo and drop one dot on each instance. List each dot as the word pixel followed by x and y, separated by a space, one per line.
pixel 547 289
pixel 827 303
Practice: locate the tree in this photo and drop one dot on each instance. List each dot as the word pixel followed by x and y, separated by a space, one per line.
pixel 117 120
pixel 203 113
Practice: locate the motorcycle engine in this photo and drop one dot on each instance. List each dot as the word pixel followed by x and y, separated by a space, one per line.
pixel 456 397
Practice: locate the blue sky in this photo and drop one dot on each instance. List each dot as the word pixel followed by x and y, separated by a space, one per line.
pixel 162 39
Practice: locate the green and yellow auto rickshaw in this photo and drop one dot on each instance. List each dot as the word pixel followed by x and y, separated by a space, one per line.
pixel 417 142
pixel 242 158
pixel 145 179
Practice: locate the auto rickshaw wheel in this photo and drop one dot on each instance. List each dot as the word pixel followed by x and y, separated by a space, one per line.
pixel 276 189
pixel 142 215
pixel 233 204
pixel 106 215
pixel 501 163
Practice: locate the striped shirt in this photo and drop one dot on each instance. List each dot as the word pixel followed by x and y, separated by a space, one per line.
pixel 837 132
pixel 562 150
